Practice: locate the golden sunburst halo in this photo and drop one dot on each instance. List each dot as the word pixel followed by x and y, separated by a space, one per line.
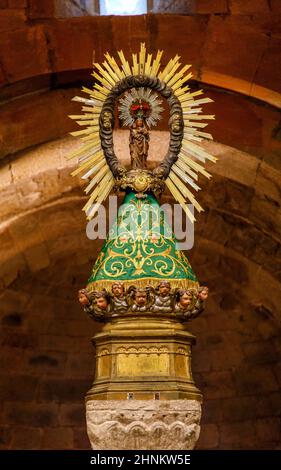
pixel 91 160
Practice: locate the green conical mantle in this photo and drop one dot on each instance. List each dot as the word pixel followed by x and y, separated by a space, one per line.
pixel 141 249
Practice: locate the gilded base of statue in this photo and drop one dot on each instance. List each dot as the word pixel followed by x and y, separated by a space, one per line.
pixel 143 424
pixel 143 358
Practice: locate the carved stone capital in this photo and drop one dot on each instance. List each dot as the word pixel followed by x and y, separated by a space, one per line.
pixel 143 424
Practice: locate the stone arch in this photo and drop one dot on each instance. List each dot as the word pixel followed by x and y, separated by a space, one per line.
pixel 46 354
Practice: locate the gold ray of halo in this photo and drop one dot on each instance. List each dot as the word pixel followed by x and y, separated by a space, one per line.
pixel 104 192
pixel 194 132
pixel 102 169
pixel 101 89
pixel 199 151
pixel 198 117
pixel 184 177
pixel 179 197
pixel 184 158
pixel 92 171
pixel 93 110
pixel 182 91
pixel 94 159
pixel 90 122
pixel 179 77
pixel 91 138
pixel 156 64
pixel 105 180
pixel 79 151
pixel 201 101
pixel 147 67
pixel 142 54
pixel 167 77
pixel 110 71
pixel 105 74
pixel 82 116
pixel 185 170
pixel 185 191
pixel 168 67
pixel 183 165
pixel 194 124
pixel 102 80
pixel 112 62
pixel 125 64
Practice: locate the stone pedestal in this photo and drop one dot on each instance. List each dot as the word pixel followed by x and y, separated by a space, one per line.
pixel 143 395
pixel 143 358
pixel 143 424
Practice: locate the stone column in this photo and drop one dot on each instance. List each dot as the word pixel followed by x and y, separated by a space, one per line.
pixel 143 395
pixel 143 424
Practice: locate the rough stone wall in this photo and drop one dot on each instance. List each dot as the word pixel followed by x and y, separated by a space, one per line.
pixel 47 365
pixel 46 358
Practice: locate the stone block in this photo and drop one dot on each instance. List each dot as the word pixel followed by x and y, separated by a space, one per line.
pixel 10 359
pixel 42 9
pixel 29 49
pixel 72 415
pixel 5 437
pixel 209 437
pixel 57 438
pixel 26 438
pixel 64 390
pixel 212 411
pixel 23 389
pixel 25 131
pixel 258 378
pixel 269 405
pixel 275 6
pixel 260 353
pixel 20 340
pixel 218 385
pixel 268 429
pixel 269 62
pixel 17 3
pixel 248 7
pixel 205 7
pixel 47 362
pixel 238 435
pixel 11 20
pixel 231 34
pixel 81 440
pixel 37 257
pixel 80 365
pixel 277 370
pixel 31 414
pixel 201 361
pixel 240 408
pixel 66 38
pixel 61 342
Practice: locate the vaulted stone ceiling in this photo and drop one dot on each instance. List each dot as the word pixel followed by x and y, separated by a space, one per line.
pixel 45 56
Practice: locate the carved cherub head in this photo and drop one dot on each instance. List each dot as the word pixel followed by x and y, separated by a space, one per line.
pixel 102 300
pixel 164 288
pixel 176 122
pixel 117 289
pixel 185 298
pixel 140 297
pixel 83 297
pixel 107 119
pixel 203 293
